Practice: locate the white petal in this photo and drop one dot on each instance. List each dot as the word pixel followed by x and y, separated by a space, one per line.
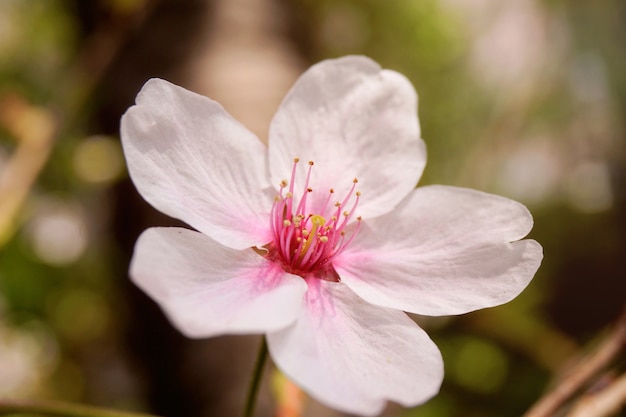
pixel 354 356
pixel 444 250
pixel 191 160
pixel 354 120
pixel 207 289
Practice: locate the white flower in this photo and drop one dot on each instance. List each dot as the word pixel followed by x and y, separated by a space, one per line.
pixel 321 263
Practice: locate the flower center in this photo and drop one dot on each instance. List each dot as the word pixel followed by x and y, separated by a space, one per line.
pixel 306 242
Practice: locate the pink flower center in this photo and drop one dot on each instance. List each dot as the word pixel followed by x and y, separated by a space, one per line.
pixel 304 242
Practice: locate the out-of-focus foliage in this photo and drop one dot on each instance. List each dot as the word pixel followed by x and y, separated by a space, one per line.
pixel 37 40
pixel 524 98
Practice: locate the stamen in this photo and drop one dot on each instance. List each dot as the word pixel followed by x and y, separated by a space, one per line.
pixel 304 242
pixel 347 243
pixel 313 249
pixel 308 189
pixel 351 212
pixel 330 194
pixel 293 181
pixel 316 221
pixel 354 182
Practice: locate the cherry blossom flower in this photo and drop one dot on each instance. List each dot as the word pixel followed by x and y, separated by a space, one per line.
pixel 320 240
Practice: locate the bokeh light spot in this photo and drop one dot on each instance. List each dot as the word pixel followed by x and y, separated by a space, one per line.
pixel 98 160
pixel 480 366
pixel 589 187
pixel 58 232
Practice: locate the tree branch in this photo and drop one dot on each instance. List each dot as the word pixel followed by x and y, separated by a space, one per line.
pixel 582 373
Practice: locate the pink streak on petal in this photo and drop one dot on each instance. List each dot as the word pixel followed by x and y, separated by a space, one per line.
pixel 444 250
pixel 354 356
pixel 208 289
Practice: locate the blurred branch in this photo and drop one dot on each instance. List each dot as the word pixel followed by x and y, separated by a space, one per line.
pixel 58 409
pixel 610 348
pixel 34 129
pixel 602 403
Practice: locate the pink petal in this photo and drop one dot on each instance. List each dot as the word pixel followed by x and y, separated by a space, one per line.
pixel 444 250
pixel 191 160
pixel 207 289
pixel 354 120
pixel 354 356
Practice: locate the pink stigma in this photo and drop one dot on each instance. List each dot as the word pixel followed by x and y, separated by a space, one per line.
pixel 305 242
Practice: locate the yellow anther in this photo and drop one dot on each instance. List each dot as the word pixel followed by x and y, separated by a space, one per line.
pixel 296 160
pixel 286 223
pixel 323 239
pixel 355 180
pixel 311 163
pixel 283 183
pixel 288 195
pixel 358 194
pixel 346 213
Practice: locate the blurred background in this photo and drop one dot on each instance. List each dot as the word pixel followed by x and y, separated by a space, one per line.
pixel 523 98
